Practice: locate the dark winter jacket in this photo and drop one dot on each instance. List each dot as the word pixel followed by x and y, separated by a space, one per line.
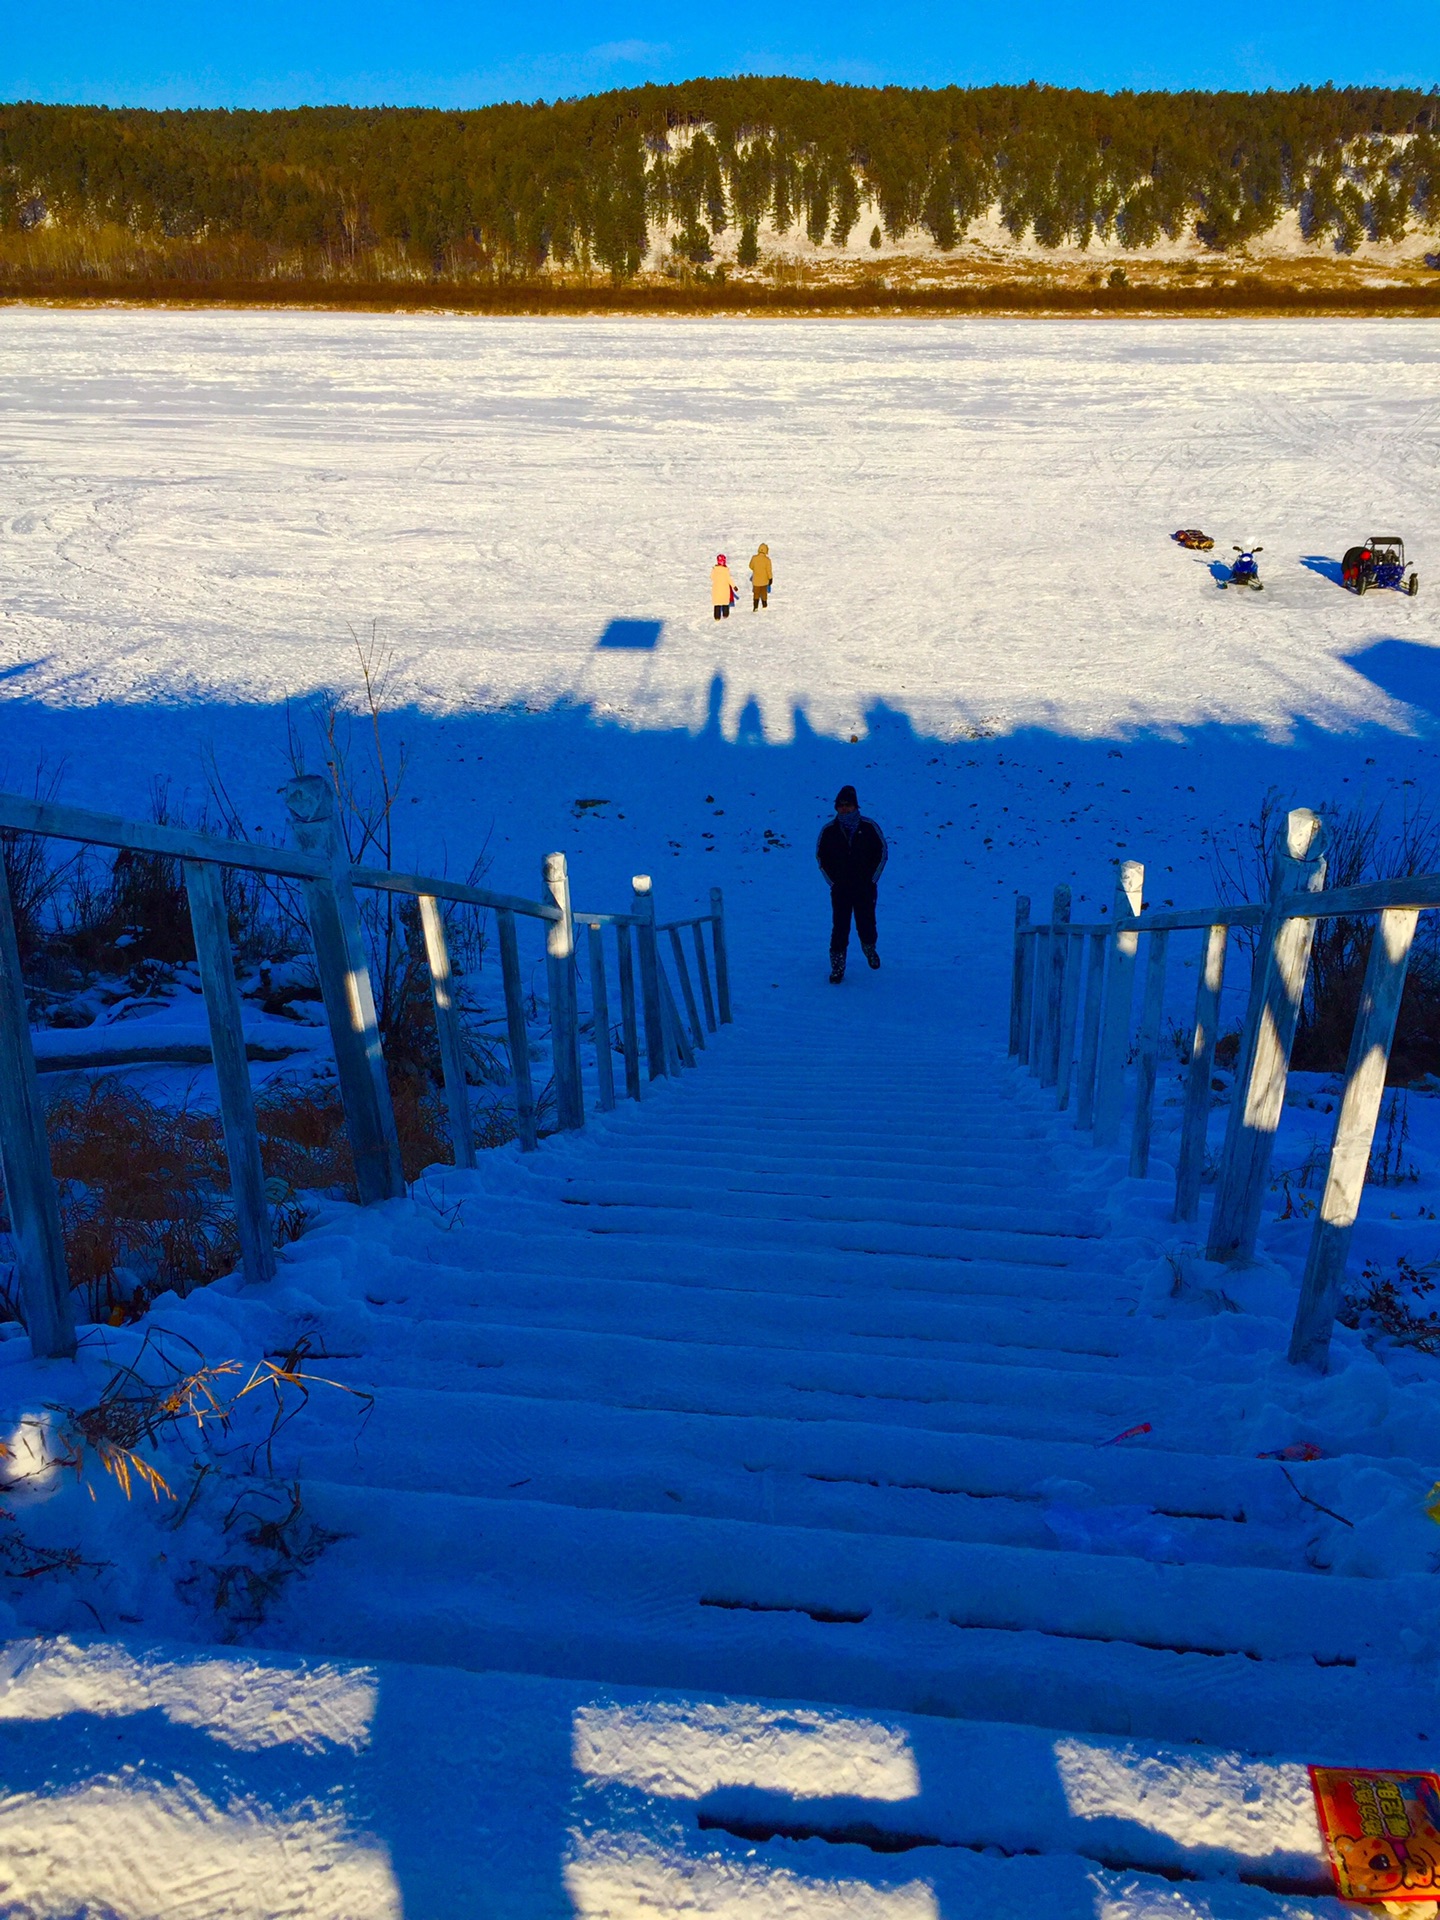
pixel 853 858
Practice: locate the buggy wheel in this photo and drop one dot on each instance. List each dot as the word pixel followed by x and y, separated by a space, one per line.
pixel 1361 584
pixel 1412 586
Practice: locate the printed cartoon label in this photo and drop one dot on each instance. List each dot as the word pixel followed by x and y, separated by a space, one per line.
pixel 1382 1831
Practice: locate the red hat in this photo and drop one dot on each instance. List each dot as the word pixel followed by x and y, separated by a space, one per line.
pixel 720 560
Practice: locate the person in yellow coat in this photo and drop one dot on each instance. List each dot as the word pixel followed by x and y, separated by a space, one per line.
pixel 762 577
pixel 722 588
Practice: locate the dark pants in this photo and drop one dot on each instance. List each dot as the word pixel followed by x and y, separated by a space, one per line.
pixel 762 597
pixel 846 900
pixel 722 613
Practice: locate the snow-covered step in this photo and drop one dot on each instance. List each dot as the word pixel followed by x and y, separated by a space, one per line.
pixel 980 1327
pixel 1053 1496
pixel 624 1369
pixel 721 1128
pixel 507 1235
pixel 933 1197
pixel 784 1159
pixel 1229 1655
pixel 341 1788
pixel 709 1228
pixel 827 1203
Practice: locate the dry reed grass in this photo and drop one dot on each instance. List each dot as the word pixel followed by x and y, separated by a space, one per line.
pixel 144 1187
pixel 781 294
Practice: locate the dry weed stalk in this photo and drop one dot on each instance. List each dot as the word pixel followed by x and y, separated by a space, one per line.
pixel 136 1407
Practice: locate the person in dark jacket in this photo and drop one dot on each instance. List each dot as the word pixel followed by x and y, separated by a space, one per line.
pixel 852 853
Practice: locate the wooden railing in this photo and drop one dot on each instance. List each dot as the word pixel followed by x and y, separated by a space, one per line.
pixel 1071 1023
pixel 654 1039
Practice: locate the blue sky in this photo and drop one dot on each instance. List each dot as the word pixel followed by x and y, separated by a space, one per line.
pixel 452 54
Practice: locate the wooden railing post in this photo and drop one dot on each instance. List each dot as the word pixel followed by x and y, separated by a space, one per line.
pixel 344 975
pixel 1148 1061
pixel 1276 990
pixel 600 1007
pixel 722 956
pixel 644 909
pixel 629 1024
pixel 564 1011
pixel 1190 1165
pixel 448 1030
pixel 1039 999
pixel 1029 949
pixel 1017 970
pixel 1115 1013
pixel 702 973
pixel 518 1032
pixel 1069 1009
pixel 680 1053
pixel 30 1198
pixel 682 974
pixel 1365 1070
pixel 1055 985
pixel 216 961
pixel 1090 1029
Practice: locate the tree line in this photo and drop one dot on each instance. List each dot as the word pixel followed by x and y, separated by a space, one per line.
pixel 590 183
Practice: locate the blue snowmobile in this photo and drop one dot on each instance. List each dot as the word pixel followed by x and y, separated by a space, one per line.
pixel 1245 572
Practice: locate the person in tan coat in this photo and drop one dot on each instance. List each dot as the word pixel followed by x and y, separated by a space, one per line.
pixel 722 588
pixel 762 577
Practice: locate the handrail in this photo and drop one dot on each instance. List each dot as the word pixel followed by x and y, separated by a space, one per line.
pixel 1418 890
pixel 320 863
pixel 604 919
pixel 1168 920
pixel 1045 1032
pixel 387 880
pixel 52 821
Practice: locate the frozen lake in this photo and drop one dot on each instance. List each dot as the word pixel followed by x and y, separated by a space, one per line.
pixel 969 520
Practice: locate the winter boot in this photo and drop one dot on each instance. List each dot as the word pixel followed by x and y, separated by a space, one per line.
pixel 837 968
pixel 871 955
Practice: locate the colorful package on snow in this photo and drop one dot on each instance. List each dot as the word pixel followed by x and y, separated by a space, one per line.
pixel 1382 1832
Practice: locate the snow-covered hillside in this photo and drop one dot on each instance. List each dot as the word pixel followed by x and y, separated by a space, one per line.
pixel 830 1488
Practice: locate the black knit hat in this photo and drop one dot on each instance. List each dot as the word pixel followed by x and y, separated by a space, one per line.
pixel 847 797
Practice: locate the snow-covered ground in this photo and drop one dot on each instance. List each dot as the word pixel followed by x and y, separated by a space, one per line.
pixel 979 619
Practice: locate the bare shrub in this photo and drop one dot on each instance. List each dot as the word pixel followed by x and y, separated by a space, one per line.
pixel 1392 1305
pixel 34 876
pixel 1363 843
pixel 81 912
pixel 1388 1165
pixel 367 776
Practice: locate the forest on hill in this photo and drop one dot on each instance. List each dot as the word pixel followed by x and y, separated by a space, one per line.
pixel 672 178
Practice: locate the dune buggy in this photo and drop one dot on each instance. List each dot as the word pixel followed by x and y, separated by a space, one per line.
pixel 1379 563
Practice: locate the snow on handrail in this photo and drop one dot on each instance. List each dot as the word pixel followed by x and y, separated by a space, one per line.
pixel 55 822
pixel 388 880
pixel 318 860
pixel 1085 1054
